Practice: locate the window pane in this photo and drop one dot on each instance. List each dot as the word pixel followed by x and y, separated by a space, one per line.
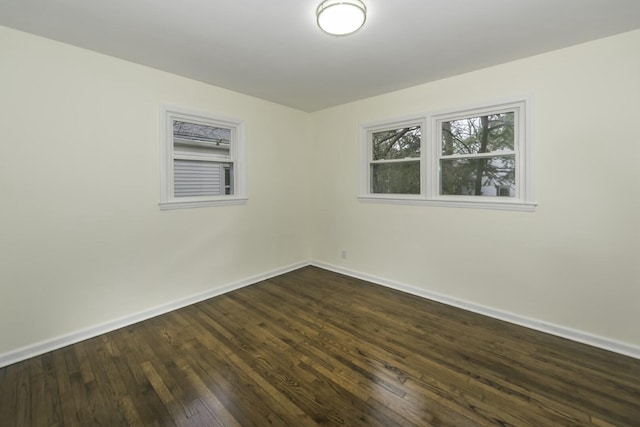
pixel 483 134
pixel 202 178
pixel 194 138
pixel 492 176
pixel 397 143
pixel 396 178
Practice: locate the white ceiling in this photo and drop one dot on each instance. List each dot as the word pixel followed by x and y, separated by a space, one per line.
pixel 274 50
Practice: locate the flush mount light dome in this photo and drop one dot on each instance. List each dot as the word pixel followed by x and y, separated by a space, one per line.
pixel 341 17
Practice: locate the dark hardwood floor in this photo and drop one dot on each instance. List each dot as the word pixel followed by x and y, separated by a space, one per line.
pixel 313 347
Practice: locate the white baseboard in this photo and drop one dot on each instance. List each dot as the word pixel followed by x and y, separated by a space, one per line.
pixel 42 347
pixel 538 325
pixel 93 331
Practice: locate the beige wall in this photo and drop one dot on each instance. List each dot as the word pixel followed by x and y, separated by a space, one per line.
pixel 575 261
pixel 82 240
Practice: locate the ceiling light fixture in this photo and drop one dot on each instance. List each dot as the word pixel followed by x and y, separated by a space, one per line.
pixel 341 17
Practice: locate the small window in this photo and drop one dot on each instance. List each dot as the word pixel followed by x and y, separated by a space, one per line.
pixel 481 157
pixel 202 160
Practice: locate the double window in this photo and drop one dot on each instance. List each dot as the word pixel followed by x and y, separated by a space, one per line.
pixel 479 157
pixel 201 160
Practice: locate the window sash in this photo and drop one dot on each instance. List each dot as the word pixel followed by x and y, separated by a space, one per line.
pixel 384 178
pixel 480 176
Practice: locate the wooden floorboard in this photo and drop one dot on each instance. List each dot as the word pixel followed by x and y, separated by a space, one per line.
pixel 313 347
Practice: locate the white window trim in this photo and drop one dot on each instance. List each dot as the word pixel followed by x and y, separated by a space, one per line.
pixel 237 157
pixel 430 155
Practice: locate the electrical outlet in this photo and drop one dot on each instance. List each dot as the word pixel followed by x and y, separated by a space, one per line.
pixel 343 254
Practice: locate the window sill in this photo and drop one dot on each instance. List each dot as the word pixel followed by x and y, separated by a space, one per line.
pixel 400 200
pixel 187 204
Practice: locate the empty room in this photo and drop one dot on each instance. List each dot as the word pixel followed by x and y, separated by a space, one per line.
pixel 301 213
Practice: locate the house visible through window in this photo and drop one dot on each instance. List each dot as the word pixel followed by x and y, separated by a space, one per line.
pixel 208 175
pixel 479 157
pixel 201 164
